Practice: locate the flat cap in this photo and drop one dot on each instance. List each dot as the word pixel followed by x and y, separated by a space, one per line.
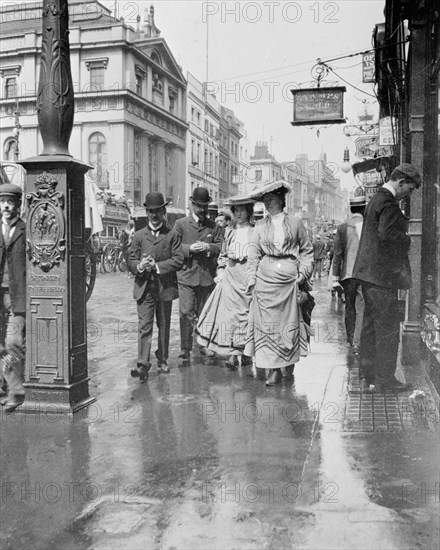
pixel 11 190
pixel 410 172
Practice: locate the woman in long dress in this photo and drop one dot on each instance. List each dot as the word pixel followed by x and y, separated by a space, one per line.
pixel 222 324
pixel 280 259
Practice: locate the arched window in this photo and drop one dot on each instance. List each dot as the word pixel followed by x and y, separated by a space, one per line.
pixel 156 57
pixel 98 158
pixel 9 148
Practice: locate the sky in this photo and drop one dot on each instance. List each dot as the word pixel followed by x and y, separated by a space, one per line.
pixel 258 51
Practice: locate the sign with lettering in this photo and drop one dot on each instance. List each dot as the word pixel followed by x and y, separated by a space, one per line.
pixel 387 131
pixel 368 67
pixel 318 106
pixel 368 147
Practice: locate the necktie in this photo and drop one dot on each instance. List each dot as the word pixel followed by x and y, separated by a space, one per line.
pixel 7 234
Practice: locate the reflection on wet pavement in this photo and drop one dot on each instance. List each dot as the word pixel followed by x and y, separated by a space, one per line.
pixel 209 458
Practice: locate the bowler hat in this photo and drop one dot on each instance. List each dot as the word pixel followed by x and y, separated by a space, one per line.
pixel 409 171
pixel 154 200
pixel 200 196
pixel 11 190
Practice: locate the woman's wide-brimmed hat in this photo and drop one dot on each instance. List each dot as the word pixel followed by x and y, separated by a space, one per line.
pixel 238 200
pixel 200 196
pixel 279 187
pixel 154 200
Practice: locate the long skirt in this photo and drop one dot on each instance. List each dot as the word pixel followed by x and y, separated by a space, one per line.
pixel 277 334
pixel 223 321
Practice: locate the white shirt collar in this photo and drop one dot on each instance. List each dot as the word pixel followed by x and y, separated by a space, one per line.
pixel 12 221
pixel 196 218
pixel 390 188
pixel 155 228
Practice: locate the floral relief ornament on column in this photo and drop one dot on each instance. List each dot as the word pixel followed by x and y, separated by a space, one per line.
pixel 55 101
pixel 46 226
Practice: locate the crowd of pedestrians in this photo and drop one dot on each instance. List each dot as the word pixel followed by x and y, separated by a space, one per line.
pixel 243 281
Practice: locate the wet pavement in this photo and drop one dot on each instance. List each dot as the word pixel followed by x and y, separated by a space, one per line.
pixel 209 458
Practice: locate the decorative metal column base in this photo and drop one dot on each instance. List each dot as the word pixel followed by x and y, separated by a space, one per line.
pixel 56 377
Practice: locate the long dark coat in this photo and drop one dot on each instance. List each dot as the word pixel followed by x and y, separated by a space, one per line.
pixel 168 255
pixel 198 269
pixel 382 257
pixel 16 258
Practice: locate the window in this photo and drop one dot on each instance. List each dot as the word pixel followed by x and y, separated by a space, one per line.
pixel 258 175
pixel 172 98
pixel 206 125
pixel 193 152
pixel 198 119
pixel 10 148
pixel 193 113
pixel 139 80
pixel 97 78
pixel 205 168
pixel 211 130
pixel 98 158
pixel 198 153
pixel 11 88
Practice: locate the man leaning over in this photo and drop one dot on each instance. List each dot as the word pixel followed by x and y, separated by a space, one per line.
pixel 382 266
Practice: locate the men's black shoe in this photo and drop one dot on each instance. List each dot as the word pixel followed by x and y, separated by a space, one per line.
pixel 183 360
pixel 140 371
pixel 365 385
pixel 163 367
pixel 288 371
pixel 13 402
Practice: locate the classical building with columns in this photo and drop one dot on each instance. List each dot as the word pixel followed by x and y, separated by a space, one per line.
pixel 130 97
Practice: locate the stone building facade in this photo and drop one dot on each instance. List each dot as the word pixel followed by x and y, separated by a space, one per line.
pixel 130 98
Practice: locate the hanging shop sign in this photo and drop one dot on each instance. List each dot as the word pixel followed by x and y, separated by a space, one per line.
pixel 368 67
pixel 318 106
pixel 368 147
pixel 387 131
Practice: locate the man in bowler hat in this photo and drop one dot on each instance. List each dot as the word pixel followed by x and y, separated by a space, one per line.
pixel 201 243
pixel 155 256
pixel 382 266
pixel 12 294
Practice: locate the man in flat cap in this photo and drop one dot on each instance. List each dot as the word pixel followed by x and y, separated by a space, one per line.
pixel 345 250
pixel 155 256
pixel 12 294
pixel 201 243
pixel 382 266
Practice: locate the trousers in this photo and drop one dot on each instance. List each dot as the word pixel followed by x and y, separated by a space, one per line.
pixel 148 308
pixel 380 334
pixel 191 302
pixel 12 333
pixel 354 310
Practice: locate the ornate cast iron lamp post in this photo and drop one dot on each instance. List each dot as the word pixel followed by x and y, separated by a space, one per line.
pixel 56 338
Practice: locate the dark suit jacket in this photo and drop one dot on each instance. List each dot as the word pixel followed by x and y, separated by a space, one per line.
pixel 382 257
pixel 16 258
pixel 198 269
pixel 168 255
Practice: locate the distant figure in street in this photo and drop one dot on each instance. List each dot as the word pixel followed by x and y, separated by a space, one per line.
pixel 345 251
pixel 155 256
pixel 223 322
pixel 318 256
pixel 12 296
pixel 126 239
pixel 382 266
pixel 201 242
pixel 279 263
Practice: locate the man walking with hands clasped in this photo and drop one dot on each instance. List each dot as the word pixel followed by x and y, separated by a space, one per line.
pixel 201 243
pixel 382 266
pixel 155 256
